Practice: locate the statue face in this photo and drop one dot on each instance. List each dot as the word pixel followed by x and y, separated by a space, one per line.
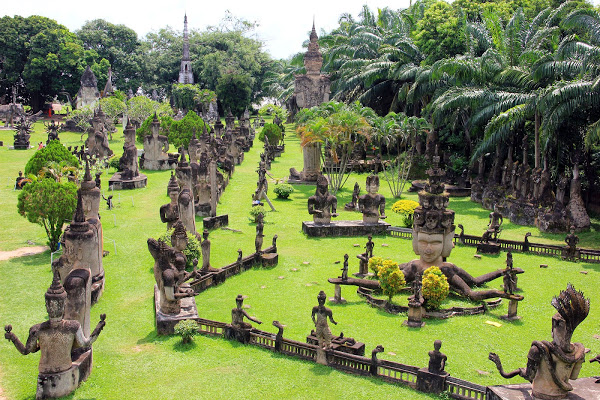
pixel 321 189
pixel 372 188
pixel 179 243
pixel 430 246
pixel 560 334
pixel 431 220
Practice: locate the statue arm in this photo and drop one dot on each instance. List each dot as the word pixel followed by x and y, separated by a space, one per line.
pixel 519 371
pixel 331 317
pixel 258 321
pixel 314 311
pixel 80 338
pixel 32 344
pixel 382 208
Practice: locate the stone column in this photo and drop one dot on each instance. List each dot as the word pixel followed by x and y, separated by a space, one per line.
pixel 312 161
pixel 213 188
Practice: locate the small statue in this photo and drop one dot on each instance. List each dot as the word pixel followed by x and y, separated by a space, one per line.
pixel 205 248
pixel 509 275
pixel 21 181
pixel 369 248
pixel 550 365
pixel 345 268
pixel 322 205
pixel 437 359
pixel 495 222
pixel 353 205
pixel 258 241
pixel 372 204
pixel 323 334
pixel 98 181
pixel 169 213
pixel 416 299
pixel 571 240
pixel 109 202
pixel 56 339
pixel 238 314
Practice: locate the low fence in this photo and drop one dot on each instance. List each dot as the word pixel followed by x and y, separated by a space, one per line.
pixel 586 255
pixel 388 371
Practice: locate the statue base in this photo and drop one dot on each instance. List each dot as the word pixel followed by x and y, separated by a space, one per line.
pixel 512 311
pixel 202 210
pixel 488 248
pixel 64 383
pixel 337 299
pixel 344 228
pixel 241 335
pixel 165 323
pixel 269 259
pixel 428 382
pixel 160 165
pixel 415 317
pixel 215 222
pixel 118 183
pixel 583 388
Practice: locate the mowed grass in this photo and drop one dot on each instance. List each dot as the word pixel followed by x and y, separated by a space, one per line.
pixel 130 361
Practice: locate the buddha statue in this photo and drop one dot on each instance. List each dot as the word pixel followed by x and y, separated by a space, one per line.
pixel 322 205
pixel 372 204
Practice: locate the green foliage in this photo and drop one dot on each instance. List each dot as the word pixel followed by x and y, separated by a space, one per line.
pixel 50 204
pixel 283 190
pixel 406 208
pixel 235 92
pixel 180 132
pixel 274 111
pixel 53 152
pixel 255 211
pixel 374 264
pixel 140 107
pixel 187 329
pixel 192 250
pixel 184 95
pixel 113 107
pixel 435 287
pixel 270 132
pixel 82 117
pixel 391 279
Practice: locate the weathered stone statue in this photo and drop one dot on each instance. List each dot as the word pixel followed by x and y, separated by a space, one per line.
pixel 509 278
pixel 88 94
pixel 345 268
pixel 187 215
pixel 372 204
pixel 353 205
pixel 205 248
pixel 155 149
pixel 23 130
pixel 169 213
pixel 571 240
pixel 63 362
pixel 97 141
pixel 551 365
pixel 238 314
pixel 258 241
pixel 437 359
pixel 52 129
pixel 129 176
pixel 319 316
pixel 322 205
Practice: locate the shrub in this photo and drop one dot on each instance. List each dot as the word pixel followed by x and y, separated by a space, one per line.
pixel 283 190
pixel 53 152
pixel 406 208
pixel 270 132
pixel 374 264
pixel 255 211
pixel 191 251
pixel 435 287
pixel 48 203
pixel 187 329
pixel 391 279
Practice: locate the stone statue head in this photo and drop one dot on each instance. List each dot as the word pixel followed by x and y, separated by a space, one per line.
pixel 372 184
pixel 239 300
pixel 55 298
pixel 322 184
pixel 179 238
pixel 321 297
pixel 429 246
pixel 572 308
pixel 437 345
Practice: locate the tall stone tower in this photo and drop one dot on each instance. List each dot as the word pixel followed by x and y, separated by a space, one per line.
pixel 185 72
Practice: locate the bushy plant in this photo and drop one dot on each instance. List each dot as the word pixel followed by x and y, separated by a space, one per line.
pixel 82 117
pixel 50 204
pixel 406 208
pixel 53 152
pixel 374 264
pixel 435 287
pixel 270 132
pixel 255 211
pixel 391 279
pixel 273 110
pixel 283 190
pixel 187 329
pixel 192 250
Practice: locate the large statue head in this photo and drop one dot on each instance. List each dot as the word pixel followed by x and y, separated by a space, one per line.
pixel 55 298
pixel 322 184
pixel 372 184
pixel 572 309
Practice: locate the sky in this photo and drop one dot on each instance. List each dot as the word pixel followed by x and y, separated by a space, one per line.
pixel 282 27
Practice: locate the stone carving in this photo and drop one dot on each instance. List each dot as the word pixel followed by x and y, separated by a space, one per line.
pixel 258 241
pixel 322 331
pixel 23 129
pixel 52 129
pixel 551 365
pixel 353 204
pixel 169 213
pixel 97 141
pixel 185 72
pixel 129 176
pixel 372 204
pixel 238 314
pixel 65 348
pixel 88 94
pixel 155 149
pixel 322 205
pixel 571 252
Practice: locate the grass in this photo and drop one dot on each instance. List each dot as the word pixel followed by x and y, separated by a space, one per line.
pixel 131 361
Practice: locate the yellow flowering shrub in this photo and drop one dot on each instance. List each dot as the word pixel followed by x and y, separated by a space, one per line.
pixel 406 208
pixel 435 287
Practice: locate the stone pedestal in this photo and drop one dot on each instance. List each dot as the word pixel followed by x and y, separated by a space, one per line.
pixel 203 210
pixel 216 222
pixel 241 335
pixel 431 383
pixel 63 383
pixel 415 317
pixel 363 268
pixel 512 311
pixel 269 259
pixel 583 388
pixel 311 153
pixel 117 182
pixel 488 248
pixel 165 323
pixel 337 296
pixel 344 228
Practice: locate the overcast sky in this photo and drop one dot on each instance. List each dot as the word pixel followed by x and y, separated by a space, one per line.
pixel 282 26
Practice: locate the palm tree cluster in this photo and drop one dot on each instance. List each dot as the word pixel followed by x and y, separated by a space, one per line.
pixel 534 78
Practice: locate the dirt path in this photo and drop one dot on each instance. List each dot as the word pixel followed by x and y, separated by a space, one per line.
pixel 23 251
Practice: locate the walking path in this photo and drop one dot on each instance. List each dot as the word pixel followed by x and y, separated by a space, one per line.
pixel 22 252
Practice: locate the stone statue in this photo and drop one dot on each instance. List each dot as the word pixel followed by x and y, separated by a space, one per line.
pixel 97 141
pixel 169 213
pixel 345 268
pixel 322 205
pixel 509 278
pixel 437 359
pixel 23 129
pixel 57 339
pixel 353 205
pixel 258 241
pixel 369 247
pixel 372 204
pixel 238 314
pixel 550 365
pixel 155 148
pixel 205 248
pixel 494 224
pixel 571 240
pixel 561 188
pixel 322 332
pixel 52 129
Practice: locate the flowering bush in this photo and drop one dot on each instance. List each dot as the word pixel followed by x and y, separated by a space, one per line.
pixel 435 287
pixel 391 279
pixel 374 264
pixel 406 208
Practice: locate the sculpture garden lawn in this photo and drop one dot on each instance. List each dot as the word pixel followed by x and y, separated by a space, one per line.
pixel 131 361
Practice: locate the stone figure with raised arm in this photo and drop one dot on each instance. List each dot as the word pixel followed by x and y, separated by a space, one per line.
pixel 551 365
pixel 238 314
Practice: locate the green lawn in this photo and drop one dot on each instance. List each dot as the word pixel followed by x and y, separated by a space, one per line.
pixel 130 361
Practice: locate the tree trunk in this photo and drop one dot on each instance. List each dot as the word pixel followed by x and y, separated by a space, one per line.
pixel 537 140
